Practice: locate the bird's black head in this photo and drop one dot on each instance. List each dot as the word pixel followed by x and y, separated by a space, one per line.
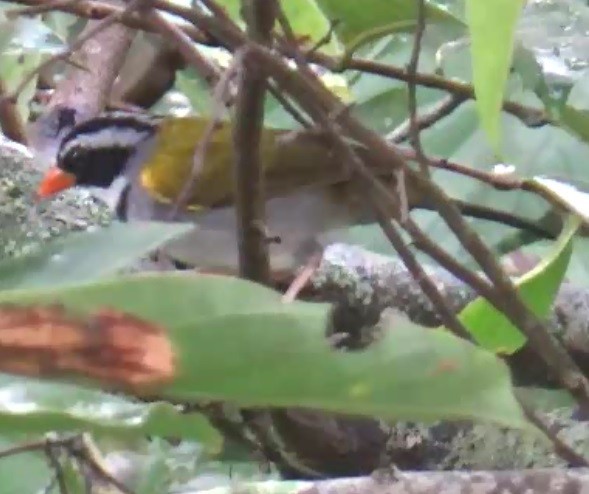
pixel 95 152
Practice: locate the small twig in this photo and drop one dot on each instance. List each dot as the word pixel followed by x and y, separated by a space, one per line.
pixel 561 448
pixel 217 10
pixel 288 106
pixel 260 423
pixel 412 88
pixel 319 102
pixel 291 38
pixel 437 112
pixel 326 38
pixel 396 206
pixel 531 117
pixel 57 468
pixel 84 451
pixel 203 66
pixel 183 40
pixel 35 446
pixel 401 192
pixel 301 279
pixel 229 37
pixel 557 360
pixel 232 39
pixel 383 216
pixel 372 35
pixel 496 180
pixel 218 107
pixel 425 282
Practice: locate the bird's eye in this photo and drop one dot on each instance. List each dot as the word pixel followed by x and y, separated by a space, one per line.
pixel 72 160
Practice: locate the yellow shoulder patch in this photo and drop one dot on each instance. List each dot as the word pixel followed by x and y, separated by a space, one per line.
pixel 170 165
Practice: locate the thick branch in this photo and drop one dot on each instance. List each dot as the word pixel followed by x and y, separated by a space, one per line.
pixel 553 481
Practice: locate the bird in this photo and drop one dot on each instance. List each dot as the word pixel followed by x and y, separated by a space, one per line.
pixel 139 164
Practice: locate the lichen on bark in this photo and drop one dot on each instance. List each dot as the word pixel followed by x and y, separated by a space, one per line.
pixel 24 223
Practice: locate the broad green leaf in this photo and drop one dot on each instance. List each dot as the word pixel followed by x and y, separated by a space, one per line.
pixel 236 341
pixel 305 17
pixel 372 18
pixel 492 28
pixel 82 257
pixel 32 406
pixel 491 329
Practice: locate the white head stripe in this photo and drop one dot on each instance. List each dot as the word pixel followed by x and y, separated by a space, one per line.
pixel 141 118
pixel 117 137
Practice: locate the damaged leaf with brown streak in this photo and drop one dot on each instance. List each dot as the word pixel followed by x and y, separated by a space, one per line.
pixel 115 348
pixel 235 341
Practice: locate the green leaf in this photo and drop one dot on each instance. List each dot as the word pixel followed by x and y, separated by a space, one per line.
pixel 236 341
pixel 33 406
pixel 82 257
pixel 371 18
pixel 492 28
pixel 491 329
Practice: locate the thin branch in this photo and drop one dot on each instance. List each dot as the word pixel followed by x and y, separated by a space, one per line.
pixel 84 450
pixel 301 280
pixel 512 305
pixel 428 286
pixel 531 117
pixel 250 195
pixel 427 119
pixel 288 106
pixel 220 97
pixel 318 102
pixel 561 448
pixel 203 66
pixel 51 454
pixel 397 208
pixel 412 88
pixel 212 32
pixel 496 180
pixel 438 254
pixel 39 445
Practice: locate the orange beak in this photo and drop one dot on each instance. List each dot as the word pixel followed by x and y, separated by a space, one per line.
pixel 55 181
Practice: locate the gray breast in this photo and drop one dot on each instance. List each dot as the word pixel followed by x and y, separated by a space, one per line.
pixel 297 224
